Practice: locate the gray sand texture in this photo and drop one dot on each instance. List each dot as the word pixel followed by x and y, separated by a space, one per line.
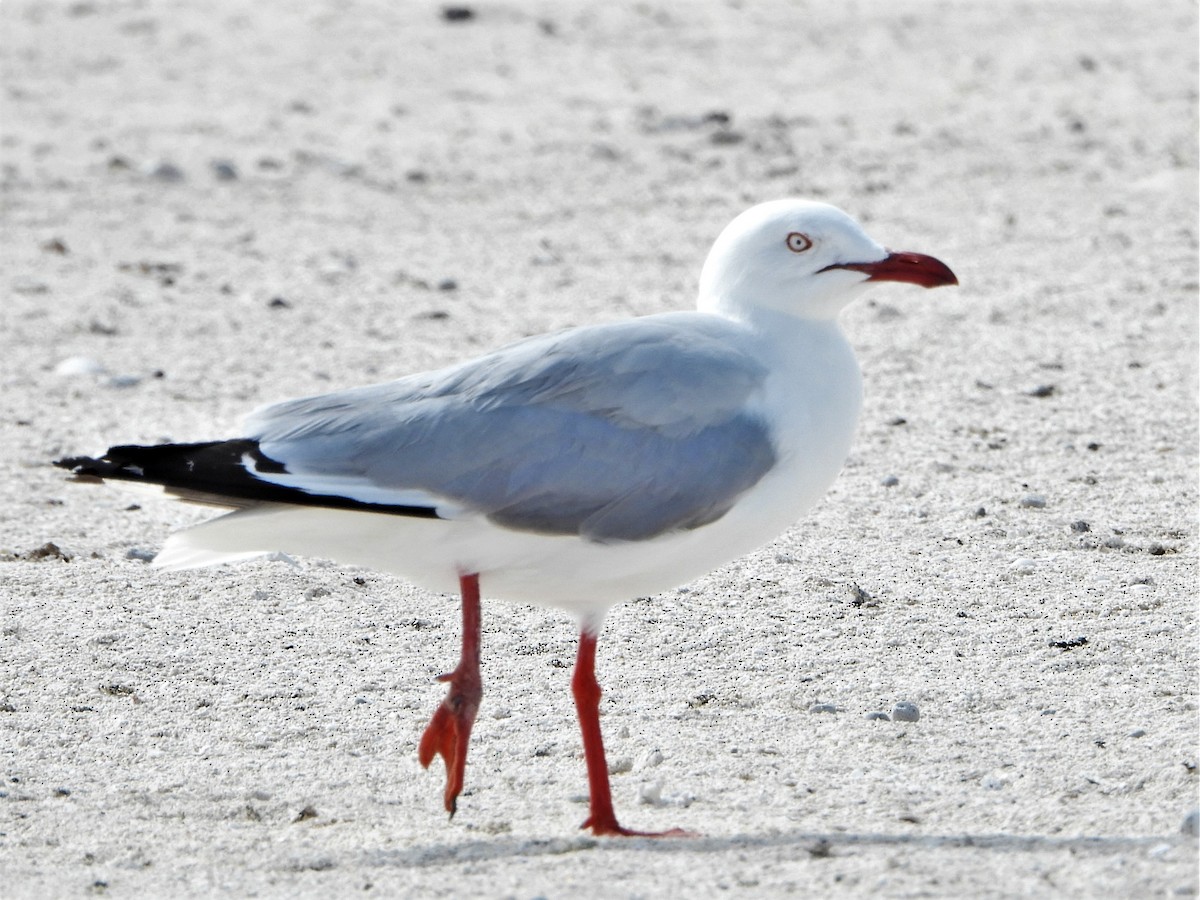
pixel 210 206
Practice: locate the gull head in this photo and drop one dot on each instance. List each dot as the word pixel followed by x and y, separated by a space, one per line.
pixel 805 258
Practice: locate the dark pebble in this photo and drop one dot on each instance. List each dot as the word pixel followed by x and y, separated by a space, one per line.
pixel 279 303
pixel 1080 527
pixel 457 13
pixel 1042 390
pixel 224 170
pixel 905 711
pixel 1069 644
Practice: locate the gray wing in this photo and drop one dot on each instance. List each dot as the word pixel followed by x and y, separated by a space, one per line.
pixel 613 432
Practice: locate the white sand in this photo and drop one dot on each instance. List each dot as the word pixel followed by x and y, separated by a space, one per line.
pixel 161 734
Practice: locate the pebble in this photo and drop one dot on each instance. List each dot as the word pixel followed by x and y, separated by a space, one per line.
pixel 1080 527
pixel 76 366
pixel 650 760
pixel 1191 823
pixel 905 711
pixel 164 170
pixel 1023 566
pixel 823 708
pixel 1033 501
pixel 878 717
pixel 1137 733
pixel 224 170
pixel 890 481
pixel 139 554
pixel 1042 390
pixel 651 793
pixel 620 765
pixel 124 381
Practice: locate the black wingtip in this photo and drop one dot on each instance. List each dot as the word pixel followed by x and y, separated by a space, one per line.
pixel 80 465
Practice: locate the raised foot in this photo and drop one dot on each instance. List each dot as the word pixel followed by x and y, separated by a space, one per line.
pixel 449 732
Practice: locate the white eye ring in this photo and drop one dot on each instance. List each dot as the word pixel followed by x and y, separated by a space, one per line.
pixel 798 243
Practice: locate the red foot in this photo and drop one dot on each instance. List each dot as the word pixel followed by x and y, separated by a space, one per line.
pixel 615 829
pixel 602 820
pixel 449 731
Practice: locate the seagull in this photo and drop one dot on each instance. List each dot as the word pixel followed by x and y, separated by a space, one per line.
pixel 575 469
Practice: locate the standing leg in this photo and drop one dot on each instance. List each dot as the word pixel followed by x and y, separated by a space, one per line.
pixel 601 818
pixel 450 728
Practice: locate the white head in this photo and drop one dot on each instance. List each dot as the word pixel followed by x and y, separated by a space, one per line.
pixel 805 258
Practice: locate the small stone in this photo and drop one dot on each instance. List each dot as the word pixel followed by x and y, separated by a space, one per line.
pixel 651 793
pixel 860 598
pixel 980 513
pixel 1156 549
pixel 48 550
pixel 1069 643
pixel 457 13
pixel 1114 542
pixel 620 765
pixel 279 303
pixel 1042 390
pixel 223 170
pixel 140 555
pixel 55 245
pixel 76 366
pixel 164 171
pixel 905 711
pixel 447 284
pixel 878 717
pixel 823 708
pixel 1080 527
pixel 1033 501
pixel 1137 733
pixel 124 381
pixel 889 481
pixel 650 760
pixel 1023 566
pixel 1191 823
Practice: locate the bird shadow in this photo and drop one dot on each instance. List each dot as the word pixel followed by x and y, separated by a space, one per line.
pixel 817 844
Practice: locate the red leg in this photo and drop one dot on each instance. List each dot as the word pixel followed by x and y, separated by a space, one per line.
pixel 450 728
pixel 601 818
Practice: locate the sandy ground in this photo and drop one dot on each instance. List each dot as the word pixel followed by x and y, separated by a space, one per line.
pixel 220 204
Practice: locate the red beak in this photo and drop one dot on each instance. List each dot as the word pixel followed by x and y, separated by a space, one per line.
pixel 912 268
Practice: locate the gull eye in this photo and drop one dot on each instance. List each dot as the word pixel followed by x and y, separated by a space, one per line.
pixel 797 242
